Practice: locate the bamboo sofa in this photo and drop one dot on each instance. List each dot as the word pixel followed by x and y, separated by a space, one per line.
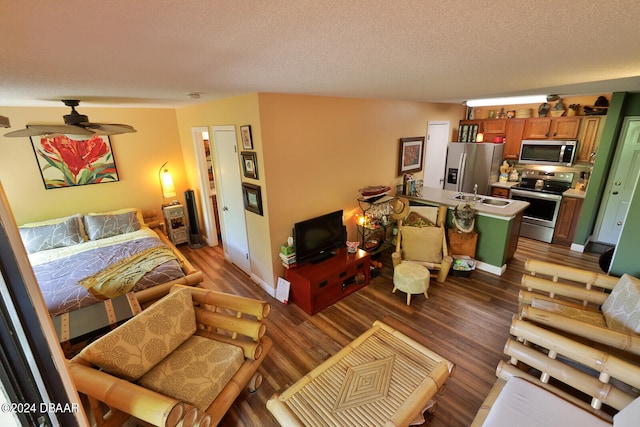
pixel 551 380
pixel 595 307
pixel 182 361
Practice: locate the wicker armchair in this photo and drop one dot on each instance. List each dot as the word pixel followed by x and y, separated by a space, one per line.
pixel 426 246
pixel 578 302
pixel 552 380
pixel 182 361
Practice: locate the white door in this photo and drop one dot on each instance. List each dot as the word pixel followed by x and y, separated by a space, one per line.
pixel 435 157
pixel 200 134
pixel 230 204
pixel 621 184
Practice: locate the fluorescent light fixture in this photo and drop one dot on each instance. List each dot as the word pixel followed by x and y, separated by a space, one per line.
pixel 530 99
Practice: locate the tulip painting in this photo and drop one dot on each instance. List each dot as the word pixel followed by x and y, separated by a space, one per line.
pixel 66 162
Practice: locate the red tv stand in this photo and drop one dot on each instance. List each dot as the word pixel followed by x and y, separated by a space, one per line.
pixel 315 287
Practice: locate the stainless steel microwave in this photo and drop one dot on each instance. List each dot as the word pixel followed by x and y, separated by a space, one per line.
pixel 548 152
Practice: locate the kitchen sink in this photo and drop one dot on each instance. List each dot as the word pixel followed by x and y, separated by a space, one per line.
pixel 467 197
pixel 498 203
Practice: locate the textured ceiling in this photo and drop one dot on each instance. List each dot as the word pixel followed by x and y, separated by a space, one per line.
pixel 154 52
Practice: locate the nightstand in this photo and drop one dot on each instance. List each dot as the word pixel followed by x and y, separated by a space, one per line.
pixel 175 223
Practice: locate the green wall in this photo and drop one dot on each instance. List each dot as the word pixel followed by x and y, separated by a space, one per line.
pixel 625 259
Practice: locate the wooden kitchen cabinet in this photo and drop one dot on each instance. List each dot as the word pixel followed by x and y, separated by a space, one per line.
pixel 552 128
pixel 513 138
pixel 500 192
pixel 496 126
pixel 589 139
pixel 567 221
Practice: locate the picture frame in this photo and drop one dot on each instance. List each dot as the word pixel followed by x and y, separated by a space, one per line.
pixel 252 196
pixel 67 162
pixel 245 135
pixel 249 164
pixel 410 158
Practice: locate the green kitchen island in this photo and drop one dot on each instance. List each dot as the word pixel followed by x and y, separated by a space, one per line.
pixel 497 224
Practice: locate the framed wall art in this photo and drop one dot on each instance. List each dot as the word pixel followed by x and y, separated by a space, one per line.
pixel 252 198
pixel 245 134
pixel 411 150
pixel 249 164
pixel 66 162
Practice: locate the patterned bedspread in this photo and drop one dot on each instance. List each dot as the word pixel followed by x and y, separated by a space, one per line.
pixel 58 279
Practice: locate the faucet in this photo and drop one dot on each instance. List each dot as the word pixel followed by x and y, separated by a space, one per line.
pixel 475 192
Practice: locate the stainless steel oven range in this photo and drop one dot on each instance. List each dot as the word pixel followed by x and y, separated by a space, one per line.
pixel 543 190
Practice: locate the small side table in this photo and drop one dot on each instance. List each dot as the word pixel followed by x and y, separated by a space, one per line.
pixel 176 224
pixel 411 278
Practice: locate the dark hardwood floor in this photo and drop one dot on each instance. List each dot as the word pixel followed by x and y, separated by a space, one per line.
pixel 466 320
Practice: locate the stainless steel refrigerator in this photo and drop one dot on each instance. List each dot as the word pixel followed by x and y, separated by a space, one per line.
pixel 469 164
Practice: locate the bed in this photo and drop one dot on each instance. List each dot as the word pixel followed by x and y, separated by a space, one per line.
pixel 84 259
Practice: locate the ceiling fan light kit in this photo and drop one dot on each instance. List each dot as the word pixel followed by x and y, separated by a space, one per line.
pixel 75 124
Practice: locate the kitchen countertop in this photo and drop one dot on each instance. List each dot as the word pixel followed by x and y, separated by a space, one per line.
pixel 446 197
pixel 572 192
pixel 508 184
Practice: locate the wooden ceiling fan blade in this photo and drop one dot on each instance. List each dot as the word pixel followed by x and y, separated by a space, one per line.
pixel 36 130
pixel 111 129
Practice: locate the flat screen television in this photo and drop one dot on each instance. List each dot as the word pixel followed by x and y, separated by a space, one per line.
pixel 316 239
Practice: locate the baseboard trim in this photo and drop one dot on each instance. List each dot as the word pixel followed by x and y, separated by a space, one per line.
pixel 493 269
pixel 264 285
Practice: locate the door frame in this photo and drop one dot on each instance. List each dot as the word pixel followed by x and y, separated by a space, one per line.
pixel 206 205
pixel 611 178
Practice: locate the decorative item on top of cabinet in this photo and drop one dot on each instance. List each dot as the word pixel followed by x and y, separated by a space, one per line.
pixel 567 222
pixel 468 130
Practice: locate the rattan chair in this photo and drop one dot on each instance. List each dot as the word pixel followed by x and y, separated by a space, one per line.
pixel 227 343
pixel 570 300
pixel 422 240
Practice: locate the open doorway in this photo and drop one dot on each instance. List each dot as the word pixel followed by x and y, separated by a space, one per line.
pixel 207 184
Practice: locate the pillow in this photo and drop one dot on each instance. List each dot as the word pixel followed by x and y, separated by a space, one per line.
pixel 621 309
pixel 133 348
pixel 629 415
pixel 51 234
pixel 100 226
pixel 414 219
pixel 422 243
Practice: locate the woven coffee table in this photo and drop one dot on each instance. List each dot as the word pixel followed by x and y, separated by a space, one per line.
pixel 383 378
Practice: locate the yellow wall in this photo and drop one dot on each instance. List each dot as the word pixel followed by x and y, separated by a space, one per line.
pixel 318 151
pixel 138 157
pixel 236 111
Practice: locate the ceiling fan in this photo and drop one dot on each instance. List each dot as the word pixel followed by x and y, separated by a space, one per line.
pixel 74 124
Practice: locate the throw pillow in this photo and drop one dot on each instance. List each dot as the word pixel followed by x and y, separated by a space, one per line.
pixel 132 349
pixel 51 234
pixel 622 307
pixel 100 226
pixel 414 219
pixel 422 244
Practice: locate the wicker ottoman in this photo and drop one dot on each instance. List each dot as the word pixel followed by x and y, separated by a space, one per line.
pixel 411 278
pixel 382 378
